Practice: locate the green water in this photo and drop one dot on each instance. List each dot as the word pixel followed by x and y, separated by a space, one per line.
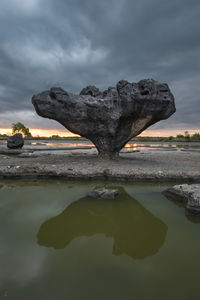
pixel 57 243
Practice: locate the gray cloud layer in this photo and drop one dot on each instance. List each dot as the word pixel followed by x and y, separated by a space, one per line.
pixel 73 43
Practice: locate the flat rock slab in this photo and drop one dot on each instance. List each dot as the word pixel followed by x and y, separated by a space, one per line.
pixel 103 193
pixel 189 194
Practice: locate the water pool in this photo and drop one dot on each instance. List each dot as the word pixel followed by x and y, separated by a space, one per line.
pixel 57 243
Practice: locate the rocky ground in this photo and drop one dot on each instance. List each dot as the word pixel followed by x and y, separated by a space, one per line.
pixel 84 164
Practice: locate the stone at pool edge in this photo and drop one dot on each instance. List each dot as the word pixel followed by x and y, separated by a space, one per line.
pixel 189 194
pixel 15 141
pixel 102 193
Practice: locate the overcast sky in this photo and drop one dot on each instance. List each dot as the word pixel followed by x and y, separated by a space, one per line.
pixel 74 43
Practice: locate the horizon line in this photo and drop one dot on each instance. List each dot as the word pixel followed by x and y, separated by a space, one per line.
pixel 65 133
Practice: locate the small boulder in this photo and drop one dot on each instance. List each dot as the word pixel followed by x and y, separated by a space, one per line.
pixel 15 141
pixel 189 194
pixel 103 193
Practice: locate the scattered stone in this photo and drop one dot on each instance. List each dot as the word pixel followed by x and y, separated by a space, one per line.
pixel 189 194
pixel 11 151
pixel 104 193
pixel 15 141
pixel 160 173
pixel 110 118
pixel 106 172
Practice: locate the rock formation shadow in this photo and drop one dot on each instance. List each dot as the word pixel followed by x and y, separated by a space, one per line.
pixel 135 231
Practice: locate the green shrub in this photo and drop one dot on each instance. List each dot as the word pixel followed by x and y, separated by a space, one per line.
pixel 180 136
pixel 3 135
pixel 20 127
pixel 196 136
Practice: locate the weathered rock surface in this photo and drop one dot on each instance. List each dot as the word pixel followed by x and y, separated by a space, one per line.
pixel 189 194
pixel 110 118
pixel 104 193
pixel 15 141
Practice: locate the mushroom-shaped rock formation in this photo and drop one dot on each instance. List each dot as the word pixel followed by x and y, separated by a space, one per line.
pixel 110 118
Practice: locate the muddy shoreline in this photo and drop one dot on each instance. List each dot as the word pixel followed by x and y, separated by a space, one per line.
pixel 80 164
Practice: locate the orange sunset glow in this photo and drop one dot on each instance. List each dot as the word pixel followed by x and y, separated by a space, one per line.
pixel 65 133
pixel 42 132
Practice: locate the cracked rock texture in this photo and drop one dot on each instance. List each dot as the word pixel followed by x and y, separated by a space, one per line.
pixel 110 118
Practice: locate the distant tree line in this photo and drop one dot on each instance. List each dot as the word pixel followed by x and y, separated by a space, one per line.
pixel 21 128
pixel 186 136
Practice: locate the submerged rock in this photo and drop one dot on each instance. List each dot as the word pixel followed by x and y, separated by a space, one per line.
pixel 110 118
pixel 104 193
pixel 189 194
pixel 15 141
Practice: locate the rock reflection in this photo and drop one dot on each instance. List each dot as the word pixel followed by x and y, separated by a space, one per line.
pixel 135 231
pixel 178 201
pixel 193 219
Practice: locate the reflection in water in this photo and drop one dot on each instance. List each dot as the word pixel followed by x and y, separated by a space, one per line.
pixel 173 198
pixel 193 219
pixel 68 144
pixel 135 231
pixel 132 145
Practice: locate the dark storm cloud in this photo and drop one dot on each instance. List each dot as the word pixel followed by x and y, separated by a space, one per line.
pixel 75 43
